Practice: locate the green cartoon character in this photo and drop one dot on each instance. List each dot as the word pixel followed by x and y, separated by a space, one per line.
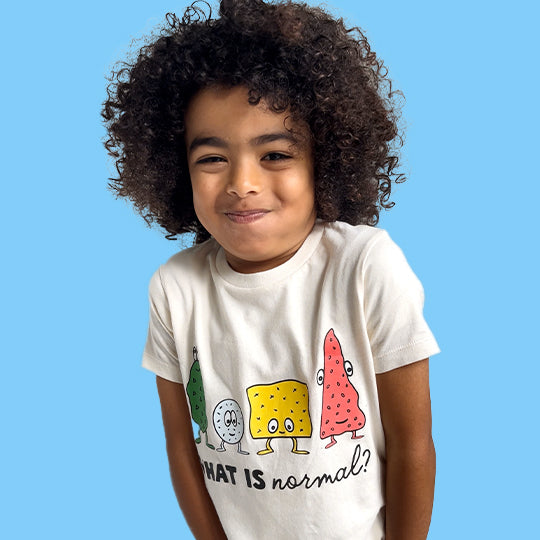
pixel 195 394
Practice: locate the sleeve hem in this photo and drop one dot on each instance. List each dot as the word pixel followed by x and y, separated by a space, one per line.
pixel 162 370
pixel 406 355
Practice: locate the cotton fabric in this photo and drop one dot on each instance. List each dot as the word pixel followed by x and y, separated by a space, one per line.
pixel 271 362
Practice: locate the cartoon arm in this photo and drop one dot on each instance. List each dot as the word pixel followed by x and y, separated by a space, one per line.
pixel 186 473
pixel 410 455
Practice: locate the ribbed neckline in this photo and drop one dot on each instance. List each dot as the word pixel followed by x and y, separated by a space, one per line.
pixel 274 275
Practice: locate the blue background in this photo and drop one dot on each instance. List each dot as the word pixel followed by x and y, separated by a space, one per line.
pixel 82 451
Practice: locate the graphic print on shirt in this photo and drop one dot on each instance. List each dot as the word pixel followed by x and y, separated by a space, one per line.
pixel 340 410
pixel 197 402
pixel 229 424
pixel 279 410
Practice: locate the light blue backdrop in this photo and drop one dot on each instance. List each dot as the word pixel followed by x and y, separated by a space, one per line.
pixel 82 451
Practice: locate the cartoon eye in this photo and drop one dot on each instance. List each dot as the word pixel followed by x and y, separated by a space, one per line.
pixel 289 425
pixel 273 425
pixel 320 376
pixel 234 420
pixel 348 368
pixel 227 418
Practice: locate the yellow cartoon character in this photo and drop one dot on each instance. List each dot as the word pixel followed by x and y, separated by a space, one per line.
pixel 279 410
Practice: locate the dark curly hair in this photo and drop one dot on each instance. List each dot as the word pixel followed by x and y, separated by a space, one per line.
pixel 296 58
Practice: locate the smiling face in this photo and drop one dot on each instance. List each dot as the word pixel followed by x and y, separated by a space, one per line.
pixel 252 178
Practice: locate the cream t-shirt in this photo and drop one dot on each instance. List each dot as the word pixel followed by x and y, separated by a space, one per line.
pixel 279 370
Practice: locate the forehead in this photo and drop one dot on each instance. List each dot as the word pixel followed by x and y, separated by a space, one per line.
pixel 227 113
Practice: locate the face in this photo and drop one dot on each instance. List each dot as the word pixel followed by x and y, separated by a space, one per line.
pixel 252 178
pixel 228 421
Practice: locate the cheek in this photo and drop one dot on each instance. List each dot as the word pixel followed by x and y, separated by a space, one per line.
pixel 203 196
pixel 197 200
pixel 304 193
pixel 298 188
pixel 197 206
pixel 203 211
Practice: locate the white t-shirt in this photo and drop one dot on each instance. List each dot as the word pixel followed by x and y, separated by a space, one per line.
pixel 279 369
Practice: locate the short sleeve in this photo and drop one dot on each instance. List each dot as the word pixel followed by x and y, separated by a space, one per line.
pixel 160 354
pixel 393 306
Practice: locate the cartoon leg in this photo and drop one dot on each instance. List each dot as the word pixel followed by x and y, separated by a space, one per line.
pixel 198 439
pixel 295 448
pixel 221 447
pixel 207 443
pixel 240 451
pixel 355 436
pixel 267 450
pixel 332 442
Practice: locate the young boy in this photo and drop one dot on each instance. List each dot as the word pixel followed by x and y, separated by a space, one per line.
pixel 292 332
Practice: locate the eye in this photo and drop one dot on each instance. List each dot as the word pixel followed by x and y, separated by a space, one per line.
pixel 275 156
pixel 210 159
pixel 227 418
pixel 233 418
pixel 289 425
pixel 348 368
pixel 273 425
pixel 320 376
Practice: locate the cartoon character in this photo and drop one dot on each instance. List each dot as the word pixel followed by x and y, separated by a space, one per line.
pixel 340 409
pixel 229 424
pixel 195 394
pixel 279 410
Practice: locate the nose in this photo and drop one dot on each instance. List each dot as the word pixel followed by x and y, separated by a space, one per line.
pixel 244 179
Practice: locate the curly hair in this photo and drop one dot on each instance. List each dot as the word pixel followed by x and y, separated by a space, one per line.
pixel 292 56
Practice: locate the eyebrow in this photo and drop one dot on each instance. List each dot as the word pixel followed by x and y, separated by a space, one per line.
pixel 257 141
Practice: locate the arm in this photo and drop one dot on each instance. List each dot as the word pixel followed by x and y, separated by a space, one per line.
pixel 410 455
pixel 186 472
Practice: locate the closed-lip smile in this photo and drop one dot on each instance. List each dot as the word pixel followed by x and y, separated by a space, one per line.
pixel 246 216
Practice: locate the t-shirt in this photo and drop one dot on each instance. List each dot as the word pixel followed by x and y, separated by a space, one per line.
pixel 279 370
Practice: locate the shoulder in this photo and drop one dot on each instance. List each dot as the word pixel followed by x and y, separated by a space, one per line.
pixel 191 258
pixel 186 266
pixel 357 243
pixel 369 253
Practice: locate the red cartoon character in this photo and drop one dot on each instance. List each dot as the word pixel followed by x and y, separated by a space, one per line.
pixel 340 410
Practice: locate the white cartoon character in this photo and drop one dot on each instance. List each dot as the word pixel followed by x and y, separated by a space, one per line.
pixel 229 424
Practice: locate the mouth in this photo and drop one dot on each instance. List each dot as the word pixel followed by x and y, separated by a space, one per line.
pixel 246 216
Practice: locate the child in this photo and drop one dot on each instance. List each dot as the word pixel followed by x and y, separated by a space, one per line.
pixel 291 333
